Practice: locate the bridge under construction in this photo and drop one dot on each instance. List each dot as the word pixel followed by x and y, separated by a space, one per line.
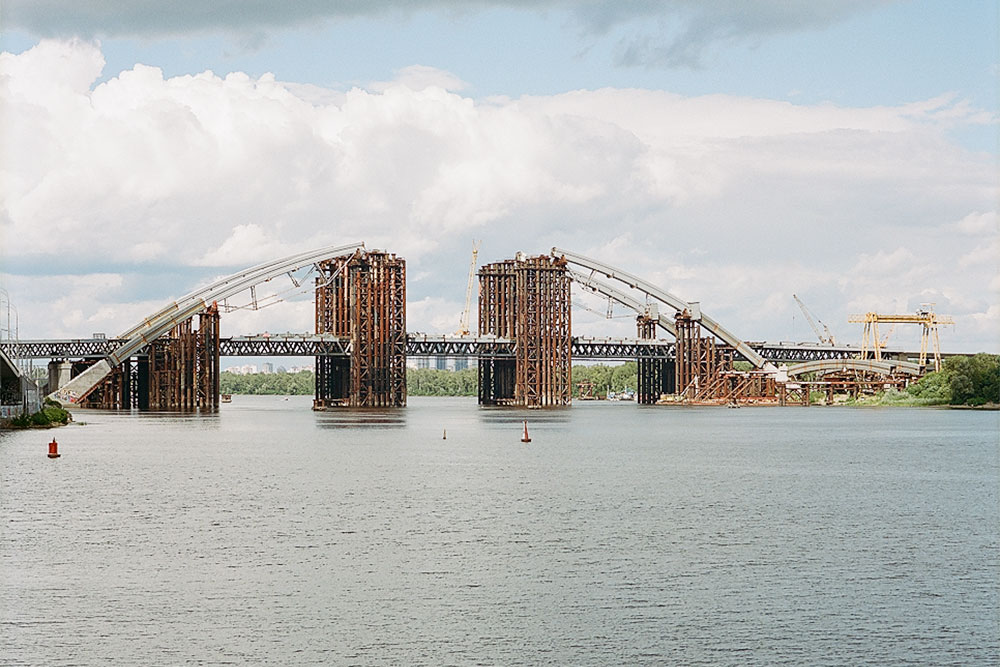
pixel 524 347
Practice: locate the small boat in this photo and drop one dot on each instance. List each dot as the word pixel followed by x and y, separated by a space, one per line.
pixel 226 398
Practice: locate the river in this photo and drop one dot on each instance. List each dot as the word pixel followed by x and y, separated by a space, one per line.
pixel 621 535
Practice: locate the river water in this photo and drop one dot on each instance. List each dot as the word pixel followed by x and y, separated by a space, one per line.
pixel 621 535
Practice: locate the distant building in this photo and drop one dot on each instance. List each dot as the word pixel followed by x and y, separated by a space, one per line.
pixel 461 363
pixel 267 367
pixel 441 363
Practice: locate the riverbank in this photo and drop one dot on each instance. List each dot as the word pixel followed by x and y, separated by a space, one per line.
pixel 48 417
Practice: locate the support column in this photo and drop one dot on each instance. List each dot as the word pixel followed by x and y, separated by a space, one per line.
pixel 655 376
pixel 60 372
pixel 363 297
pixel 497 316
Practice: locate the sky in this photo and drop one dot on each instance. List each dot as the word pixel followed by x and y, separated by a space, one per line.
pixel 733 153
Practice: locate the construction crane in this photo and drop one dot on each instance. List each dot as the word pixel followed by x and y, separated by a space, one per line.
pixel 828 338
pixel 463 327
pixel 925 317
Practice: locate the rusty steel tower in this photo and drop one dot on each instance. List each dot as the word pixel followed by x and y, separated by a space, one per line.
pixel 181 371
pixel 697 359
pixel 184 365
pixel 363 297
pixel 527 300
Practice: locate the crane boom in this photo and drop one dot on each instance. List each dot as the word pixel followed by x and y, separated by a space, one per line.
pixel 826 340
pixel 463 327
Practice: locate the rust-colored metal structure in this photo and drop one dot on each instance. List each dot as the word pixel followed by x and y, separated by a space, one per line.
pixel 697 357
pixel 363 297
pixel 114 393
pixel 705 373
pixel 528 300
pixel 497 317
pixel 655 376
pixel 180 373
pixel 184 365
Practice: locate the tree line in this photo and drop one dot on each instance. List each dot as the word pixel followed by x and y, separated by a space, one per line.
pixel 423 381
pixel 969 381
pixel 302 383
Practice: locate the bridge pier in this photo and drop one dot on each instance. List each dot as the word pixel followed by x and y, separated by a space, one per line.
pixel 527 300
pixel 655 376
pixel 181 372
pixel 184 365
pixel 60 372
pixel 362 297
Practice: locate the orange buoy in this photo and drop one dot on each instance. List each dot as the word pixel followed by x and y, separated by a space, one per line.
pixel 525 437
pixel 53 449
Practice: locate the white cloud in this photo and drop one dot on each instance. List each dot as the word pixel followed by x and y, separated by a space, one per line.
pixel 419 77
pixel 978 223
pixel 726 200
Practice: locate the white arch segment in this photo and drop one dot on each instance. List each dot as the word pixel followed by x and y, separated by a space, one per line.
pixel 884 367
pixel 166 318
pixel 594 284
pixel 674 302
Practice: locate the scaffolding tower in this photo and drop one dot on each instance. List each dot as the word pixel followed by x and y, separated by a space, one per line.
pixel 527 300
pixel 363 297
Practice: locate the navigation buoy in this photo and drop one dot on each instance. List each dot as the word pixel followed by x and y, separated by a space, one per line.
pixel 444 435
pixel 525 437
pixel 53 449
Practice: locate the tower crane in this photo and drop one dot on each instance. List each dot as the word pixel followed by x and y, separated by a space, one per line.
pixel 828 338
pixel 463 327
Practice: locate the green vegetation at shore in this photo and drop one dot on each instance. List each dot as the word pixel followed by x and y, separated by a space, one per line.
pixel 422 381
pixel 435 382
pixel 50 415
pixel 607 378
pixel 962 381
pixel 302 383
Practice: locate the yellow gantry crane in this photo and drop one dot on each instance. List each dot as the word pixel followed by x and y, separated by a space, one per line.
pixel 463 327
pixel 925 317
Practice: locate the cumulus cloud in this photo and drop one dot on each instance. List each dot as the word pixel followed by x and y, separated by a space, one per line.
pixel 660 32
pixel 727 200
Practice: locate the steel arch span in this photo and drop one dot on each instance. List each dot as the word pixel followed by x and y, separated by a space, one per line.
pixel 186 307
pixel 591 282
pixel 884 367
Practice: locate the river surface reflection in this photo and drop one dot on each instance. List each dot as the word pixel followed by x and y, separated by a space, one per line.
pixel 267 533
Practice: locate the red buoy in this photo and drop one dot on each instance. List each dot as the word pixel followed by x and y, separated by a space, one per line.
pixel 53 449
pixel 525 437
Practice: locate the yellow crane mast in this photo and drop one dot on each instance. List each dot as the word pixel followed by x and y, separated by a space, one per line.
pixel 463 327
pixel 928 319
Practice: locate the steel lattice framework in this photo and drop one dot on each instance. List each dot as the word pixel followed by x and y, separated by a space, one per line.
pixel 316 345
pixel 497 317
pixel 362 298
pixel 544 343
